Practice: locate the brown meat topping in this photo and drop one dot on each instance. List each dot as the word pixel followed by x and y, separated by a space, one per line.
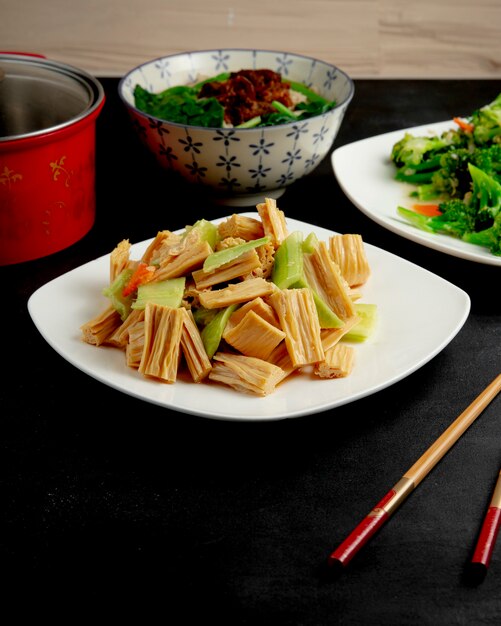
pixel 248 93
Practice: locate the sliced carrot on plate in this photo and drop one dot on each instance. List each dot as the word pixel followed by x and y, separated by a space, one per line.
pixel 142 274
pixel 427 209
pixel 464 125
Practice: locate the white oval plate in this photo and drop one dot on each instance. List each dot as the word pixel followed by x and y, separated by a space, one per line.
pixel 367 177
pixel 405 340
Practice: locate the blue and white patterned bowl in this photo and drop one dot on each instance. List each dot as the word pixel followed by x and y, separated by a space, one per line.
pixel 240 166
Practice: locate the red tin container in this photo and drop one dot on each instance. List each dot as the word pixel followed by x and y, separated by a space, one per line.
pixel 48 113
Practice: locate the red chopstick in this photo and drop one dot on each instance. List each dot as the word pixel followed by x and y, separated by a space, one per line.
pixel 343 554
pixel 488 534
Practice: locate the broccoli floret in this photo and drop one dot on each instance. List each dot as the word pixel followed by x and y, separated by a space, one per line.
pixel 488 237
pixel 458 138
pixel 488 159
pixel 421 174
pixel 412 151
pixel 486 198
pixel 457 218
pixel 486 194
pixel 418 158
pixel 487 123
pixel 453 179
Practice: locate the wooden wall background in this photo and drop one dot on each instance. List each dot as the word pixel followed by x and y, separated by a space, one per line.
pixel 366 38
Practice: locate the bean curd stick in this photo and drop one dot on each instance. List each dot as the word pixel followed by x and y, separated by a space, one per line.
pixel 247 228
pixel 281 358
pixel 120 337
pixel 260 307
pixel 135 346
pixel 338 362
pixel 97 330
pixel 299 320
pixel 193 348
pixel 185 262
pixel 119 258
pixel 240 266
pixel 349 253
pixel 324 276
pixel 245 373
pixel 273 220
pixel 162 339
pixel 254 336
pixel 155 246
pixel 343 554
pixel 331 336
pixel 237 293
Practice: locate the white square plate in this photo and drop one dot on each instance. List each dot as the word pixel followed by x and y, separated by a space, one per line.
pixel 405 339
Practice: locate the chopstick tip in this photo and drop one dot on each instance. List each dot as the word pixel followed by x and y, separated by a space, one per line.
pixel 475 573
pixel 330 570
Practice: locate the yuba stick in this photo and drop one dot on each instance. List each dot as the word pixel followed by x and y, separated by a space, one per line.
pixel 343 554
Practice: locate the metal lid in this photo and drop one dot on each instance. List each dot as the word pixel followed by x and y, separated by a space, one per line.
pixel 38 95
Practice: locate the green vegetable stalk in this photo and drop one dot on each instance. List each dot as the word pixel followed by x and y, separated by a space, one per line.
pixel 122 304
pixel 207 230
pixel 213 332
pixel 167 292
pixel 227 255
pixel 363 329
pixel 288 266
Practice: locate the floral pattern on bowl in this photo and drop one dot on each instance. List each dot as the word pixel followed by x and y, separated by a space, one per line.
pixel 239 165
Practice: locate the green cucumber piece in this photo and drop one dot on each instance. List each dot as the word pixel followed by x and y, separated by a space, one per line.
pixel 288 266
pixel 227 255
pixel 208 231
pixel 121 304
pixel 165 292
pixel 203 316
pixel 310 243
pixel 212 333
pixel 365 327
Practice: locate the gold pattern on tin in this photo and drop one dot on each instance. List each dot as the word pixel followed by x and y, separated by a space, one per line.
pixel 58 170
pixel 376 512
pixel 8 177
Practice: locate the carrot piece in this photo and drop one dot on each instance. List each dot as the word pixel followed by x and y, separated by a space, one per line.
pixel 464 125
pixel 142 274
pixel 427 209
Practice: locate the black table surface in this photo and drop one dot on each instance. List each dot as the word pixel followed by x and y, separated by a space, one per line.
pixel 106 497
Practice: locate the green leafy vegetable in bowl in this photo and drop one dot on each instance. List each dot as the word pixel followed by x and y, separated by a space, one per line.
pixel 244 99
pixel 179 104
